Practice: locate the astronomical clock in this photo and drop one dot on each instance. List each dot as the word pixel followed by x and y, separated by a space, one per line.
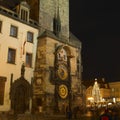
pixel 62 79
pixel 63 91
pixel 62 72
pixel 62 83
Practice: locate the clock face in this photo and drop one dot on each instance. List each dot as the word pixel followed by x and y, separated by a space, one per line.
pixel 62 72
pixel 63 91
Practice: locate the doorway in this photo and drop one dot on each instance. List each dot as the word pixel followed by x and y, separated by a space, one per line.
pixel 19 100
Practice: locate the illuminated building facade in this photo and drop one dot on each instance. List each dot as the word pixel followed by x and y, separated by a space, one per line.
pixel 107 92
pixel 40 59
pixel 115 91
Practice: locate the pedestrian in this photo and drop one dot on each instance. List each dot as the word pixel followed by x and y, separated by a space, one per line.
pixel 106 115
pixel 115 115
pixel 75 111
pixel 69 115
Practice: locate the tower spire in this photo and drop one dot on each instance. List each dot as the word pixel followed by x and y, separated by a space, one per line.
pixel 57 22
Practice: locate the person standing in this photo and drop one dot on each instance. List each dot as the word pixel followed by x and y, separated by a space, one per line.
pixel 106 115
pixel 115 115
pixel 69 115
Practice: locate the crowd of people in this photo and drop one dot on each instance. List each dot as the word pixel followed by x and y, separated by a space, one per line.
pixel 97 114
pixel 110 114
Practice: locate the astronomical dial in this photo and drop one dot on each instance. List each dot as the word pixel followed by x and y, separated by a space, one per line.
pixel 62 72
pixel 63 91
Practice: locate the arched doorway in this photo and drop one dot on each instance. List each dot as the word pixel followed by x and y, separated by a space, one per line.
pixel 20 94
pixel 19 100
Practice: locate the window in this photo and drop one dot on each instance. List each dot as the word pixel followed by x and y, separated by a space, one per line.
pixel 11 55
pixel 30 37
pixel 24 14
pixel 13 31
pixel 28 60
pixel 0 26
pixel 2 89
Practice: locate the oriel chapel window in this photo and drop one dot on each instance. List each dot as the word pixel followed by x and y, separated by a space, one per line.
pixel 28 60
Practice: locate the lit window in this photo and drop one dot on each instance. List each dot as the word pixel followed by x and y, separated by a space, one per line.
pixel 13 31
pixel 11 55
pixel 30 37
pixel 28 60
pixel 0 26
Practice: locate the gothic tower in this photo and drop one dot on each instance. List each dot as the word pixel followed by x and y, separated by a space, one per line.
pixel 58 67
pixel 44 11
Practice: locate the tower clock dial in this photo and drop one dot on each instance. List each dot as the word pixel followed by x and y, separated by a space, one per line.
pixel 63 91
pixel 62 72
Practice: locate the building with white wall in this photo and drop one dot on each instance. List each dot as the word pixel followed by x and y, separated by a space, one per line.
pixel 18 41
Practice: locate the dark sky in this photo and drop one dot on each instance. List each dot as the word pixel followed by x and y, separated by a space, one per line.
pixel 97 25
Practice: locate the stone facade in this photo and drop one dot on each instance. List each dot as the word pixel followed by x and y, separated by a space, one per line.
pixel 45 70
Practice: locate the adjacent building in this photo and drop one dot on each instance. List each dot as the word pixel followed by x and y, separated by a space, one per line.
pixel 115 91
pixel 97 92
pixel 100 92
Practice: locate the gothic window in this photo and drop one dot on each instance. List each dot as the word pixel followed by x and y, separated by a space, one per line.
pixel 11 55
pixel 13 31
pixel 28 60
pixel 30 37
pixel 0 26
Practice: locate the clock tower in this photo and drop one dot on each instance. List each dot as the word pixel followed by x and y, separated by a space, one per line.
pixel 45 11
pixel 57 74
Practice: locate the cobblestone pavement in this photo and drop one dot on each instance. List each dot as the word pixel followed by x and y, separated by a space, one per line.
pixel 87 116
pixel 39 117
pixel 31 117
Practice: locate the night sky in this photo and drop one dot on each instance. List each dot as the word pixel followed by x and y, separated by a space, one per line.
pixel 97 25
